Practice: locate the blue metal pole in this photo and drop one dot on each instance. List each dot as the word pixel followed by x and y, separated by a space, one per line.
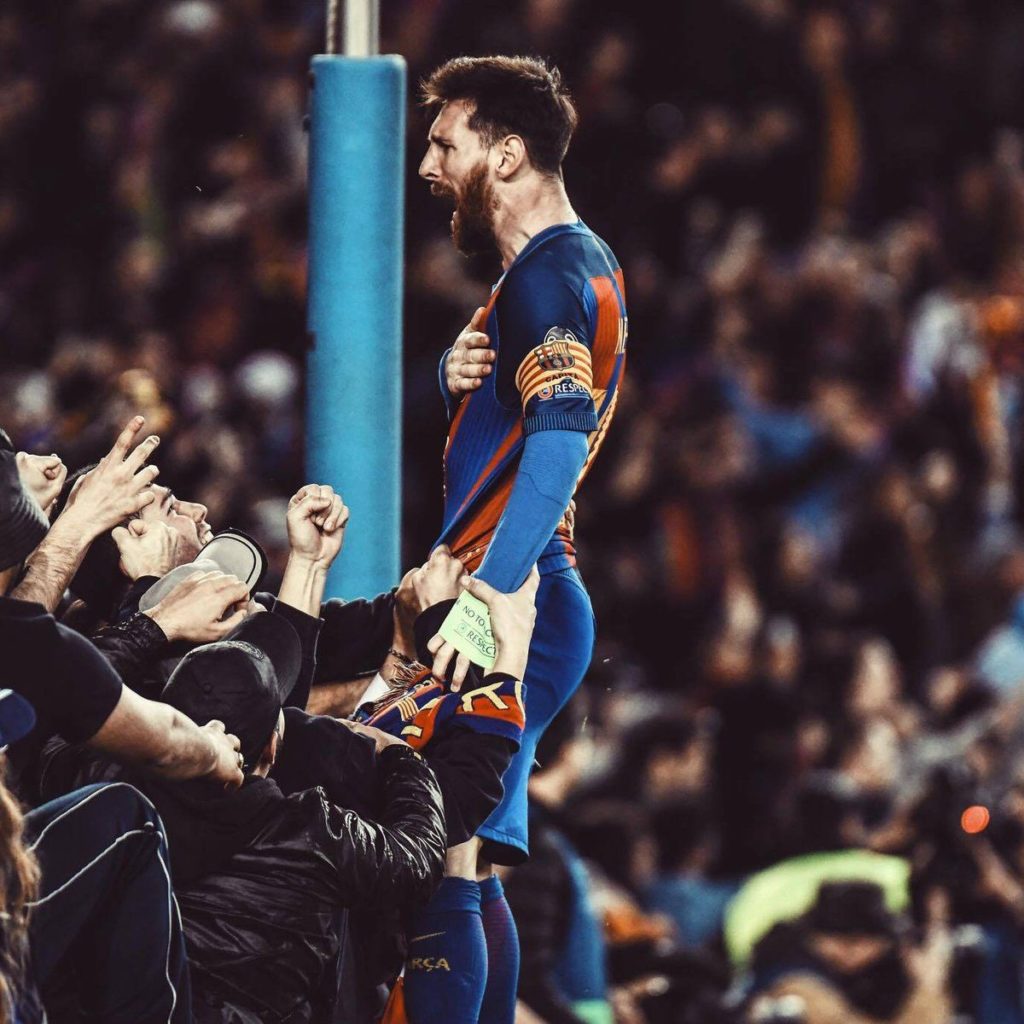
pixel 354 369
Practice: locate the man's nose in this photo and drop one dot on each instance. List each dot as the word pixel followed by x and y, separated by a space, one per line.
pixel 428 168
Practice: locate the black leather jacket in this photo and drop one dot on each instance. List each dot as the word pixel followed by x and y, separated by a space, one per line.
pixel 262 930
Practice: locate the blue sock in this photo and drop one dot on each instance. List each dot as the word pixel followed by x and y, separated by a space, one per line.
pixel 499 1005
pixel 446 969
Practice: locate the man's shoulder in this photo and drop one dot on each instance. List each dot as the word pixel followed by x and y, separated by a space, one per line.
pixel 573 245
pixel 310 807
pixel 564 262
pixel 290 828
pixel 314 811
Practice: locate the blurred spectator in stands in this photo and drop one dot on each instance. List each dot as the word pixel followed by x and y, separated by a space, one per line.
pixel 563 974
pixel 682 889
pixel 846 959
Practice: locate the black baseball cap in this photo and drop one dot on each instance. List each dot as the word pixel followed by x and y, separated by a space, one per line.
pixel 242 680
pixel 851 908
pixel 23 523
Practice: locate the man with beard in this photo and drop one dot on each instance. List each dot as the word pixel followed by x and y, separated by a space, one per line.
pixel 529 413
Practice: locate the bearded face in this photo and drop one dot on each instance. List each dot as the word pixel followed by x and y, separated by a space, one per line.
pixel 473 219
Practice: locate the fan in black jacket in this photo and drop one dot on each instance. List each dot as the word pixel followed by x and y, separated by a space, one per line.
pixel 262 878
pixel 349 638
pixel 468 755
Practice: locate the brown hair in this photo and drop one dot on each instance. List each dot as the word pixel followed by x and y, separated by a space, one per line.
pixel 19 886
pixel 510 96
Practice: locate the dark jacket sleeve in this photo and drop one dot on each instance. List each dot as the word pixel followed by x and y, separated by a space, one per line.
pixel 65 767
pixel 308 629
pixel 130 602
pixel 537 892
pixel 469 766
pixel 399 861
pixel 133 646
pixel 355 638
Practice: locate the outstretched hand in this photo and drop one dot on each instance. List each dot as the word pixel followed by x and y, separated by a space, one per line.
pixel 512 621
pixel 381 739
pixel 227 765
pixel 119 485
pixel 149 548
pixel 428 584
pixel 435 581
pixel 203 608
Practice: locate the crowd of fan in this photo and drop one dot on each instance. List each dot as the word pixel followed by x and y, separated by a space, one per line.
pixel 803 537
pixel 181 860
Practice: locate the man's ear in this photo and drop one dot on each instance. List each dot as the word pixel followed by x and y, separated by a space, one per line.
pixel 512 156
pixel 269 755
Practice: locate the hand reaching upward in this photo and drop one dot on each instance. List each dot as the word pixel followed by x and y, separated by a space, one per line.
pixel 317 518
pixel 119 485
pixel 512 621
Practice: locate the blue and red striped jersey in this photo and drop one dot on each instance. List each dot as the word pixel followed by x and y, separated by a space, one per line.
pixel 425 708
pixel 557 322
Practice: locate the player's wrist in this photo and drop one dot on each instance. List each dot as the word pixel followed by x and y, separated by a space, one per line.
pixel 76 526
pixel 305 561
pixel 403 635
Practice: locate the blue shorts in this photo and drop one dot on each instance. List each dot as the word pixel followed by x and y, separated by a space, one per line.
pixel 560 653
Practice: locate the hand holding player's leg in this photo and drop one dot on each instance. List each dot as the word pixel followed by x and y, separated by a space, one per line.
pixel 470 358
pixel 513 617
pixel 512 621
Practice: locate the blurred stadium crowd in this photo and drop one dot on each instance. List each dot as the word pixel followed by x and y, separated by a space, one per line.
pixel 804 538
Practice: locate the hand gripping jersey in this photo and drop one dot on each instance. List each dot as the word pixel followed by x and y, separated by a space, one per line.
pixel 557 322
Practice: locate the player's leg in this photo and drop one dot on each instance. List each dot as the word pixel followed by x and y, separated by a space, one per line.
pixel 502 942
pixel 446 968
pixel 560 653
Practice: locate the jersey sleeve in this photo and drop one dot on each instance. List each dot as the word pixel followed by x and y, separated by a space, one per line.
pixel 544 357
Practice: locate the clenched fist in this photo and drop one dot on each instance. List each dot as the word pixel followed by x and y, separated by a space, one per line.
pixel 317 518
pixel 42 476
